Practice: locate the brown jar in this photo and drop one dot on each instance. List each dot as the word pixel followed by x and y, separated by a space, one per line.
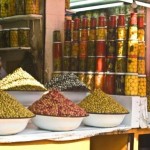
pixel 100 48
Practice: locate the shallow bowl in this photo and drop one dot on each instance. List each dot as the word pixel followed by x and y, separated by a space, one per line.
pixel 57 123
pixel 13 126
pixel 104 120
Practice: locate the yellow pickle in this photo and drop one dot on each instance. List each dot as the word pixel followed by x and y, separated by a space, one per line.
pixel 132 65
pixel 132 48
pixel 142 85
pixel 141 34
pixel 141 49
pixel 141 65
pixel 133 32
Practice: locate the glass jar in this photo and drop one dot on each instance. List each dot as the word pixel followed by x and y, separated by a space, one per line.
pixel 20 7
pixel 131 84
pixel 141 49
pixel 109 86
pixel 67 48
pixel 83 49
pixel 121 64
pixel 24 37
pixel 82 63
pixel 99 80
pixel 121 20
pixel 74 48
pixel 6 38
pixel 121 33
pixel 91 48
pixel 32 7
pixel 133 19
pixel 66 63
pixel 100 64
pixel 111 48
pixel 73 64
pixel 4 8
pixel 121 48
pixel 14 37
pixel 90 63
pixel 11 7
pixel 67 4
pixel 141 35
pixel 92 34
pixel 133 48
pixel 133 32
pixel 57 50
pixel 111 34
pixel 81 76
pixel 142 85
pixel 100 48
pixel 101 21
pixel 132 65
pixel 110 64
pixel 84 34
pixel 140 21
pixel 57 65
pixel 76 35
pixel 56 36
pixel 141 66
pixel 101 33
pixel 119 83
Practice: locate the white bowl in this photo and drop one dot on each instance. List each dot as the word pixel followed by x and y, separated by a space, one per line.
pixel 13 126
pixel 76 97
pixel 57 123
pixel 26 97
pixel 104 120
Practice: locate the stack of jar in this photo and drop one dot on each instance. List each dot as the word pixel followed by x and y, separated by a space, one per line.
pixel 15 37
pixel 111 55
pixel 121 55
pixel 18 7
pixel 101 37
pixel 141 56
pixel 57 52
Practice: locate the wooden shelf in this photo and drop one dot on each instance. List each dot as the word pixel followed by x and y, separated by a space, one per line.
pixel 19 17
pixel 15 49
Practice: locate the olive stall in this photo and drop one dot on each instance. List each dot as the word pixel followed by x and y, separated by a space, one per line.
pixel 84 73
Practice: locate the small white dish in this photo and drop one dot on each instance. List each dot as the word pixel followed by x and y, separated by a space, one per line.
pixel 57 123
pixel 103 120
pixel 13 126
pixel 26 97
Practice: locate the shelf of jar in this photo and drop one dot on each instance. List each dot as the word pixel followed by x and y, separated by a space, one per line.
pixel 15 49
pixel 20 17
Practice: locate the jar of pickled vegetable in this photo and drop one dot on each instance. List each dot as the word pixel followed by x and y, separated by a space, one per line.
pixel 82 63
pixel 73 64
pixel 121 48
pixel 91 48
pixel 6 38
pixel 66 63
pixel 133 48
pixel 101 21
pixel 119 83
pixel 24 37
pixel 141 49
pixel 1 38
pixel 84 34
pixel 133 31
pixel 14 37
pixel 81 76
pixel 74 48
pixel 133 19
pixel 67 48
pixel 132 65
pixel 141 66
pixel 142 85
pixel 109 86
pixel 131 84
pixel 90 63
pixel 32 7
pixel 111 48
pixel 11 7
pixel 140 21
pixel 110 64
pixel 92 34
pixel 76 35
pixel 57 65
pixel 83 49
pixel 121 33
pixel 67 4
pixel 100 64
pixel 4 8
pixel 121 64
pixel 20 7
pixel 101 33
pixel 111 33
pixel 100 48
pixel 99 80
pixel 76 23
pixel 56 36
pixel 121 20
pixel 141 34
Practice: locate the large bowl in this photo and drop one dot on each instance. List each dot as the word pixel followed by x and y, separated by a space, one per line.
pixel 13 126
pixel 57 123
pixel 75 96
pixel 26 97
pixel 104 120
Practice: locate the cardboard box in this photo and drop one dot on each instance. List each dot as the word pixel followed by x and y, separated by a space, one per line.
pixel 132 103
